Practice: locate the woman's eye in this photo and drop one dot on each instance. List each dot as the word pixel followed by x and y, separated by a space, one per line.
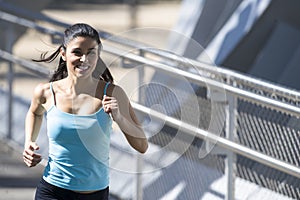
pixel 92 53
pixel 77 53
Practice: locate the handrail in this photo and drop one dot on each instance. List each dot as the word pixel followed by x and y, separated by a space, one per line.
pixel 203 65
pixel 200 64
pixel 222 73
pixel 27 23
pixel 220 141
pixel 43 72
pixel 291 109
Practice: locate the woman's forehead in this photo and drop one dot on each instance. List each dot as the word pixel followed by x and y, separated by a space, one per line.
pixel 83 42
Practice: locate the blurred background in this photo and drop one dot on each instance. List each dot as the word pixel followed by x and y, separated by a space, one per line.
pixel 215 84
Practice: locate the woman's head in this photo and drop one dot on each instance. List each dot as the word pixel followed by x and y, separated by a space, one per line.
pixel 80 52
pixel 80 48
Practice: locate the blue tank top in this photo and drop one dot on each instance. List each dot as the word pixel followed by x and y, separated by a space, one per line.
pixel 78 149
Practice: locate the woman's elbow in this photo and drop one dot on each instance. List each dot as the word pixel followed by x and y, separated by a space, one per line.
pixel 144 146
pixel 141 146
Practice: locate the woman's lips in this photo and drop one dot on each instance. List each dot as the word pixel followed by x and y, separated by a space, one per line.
pixel 83 67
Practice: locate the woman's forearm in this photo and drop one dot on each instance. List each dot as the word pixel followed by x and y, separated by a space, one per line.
pixel 32 126
pixel 134 134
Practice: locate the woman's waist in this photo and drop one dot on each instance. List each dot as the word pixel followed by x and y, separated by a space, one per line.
pixel 57 188
pixel 80 177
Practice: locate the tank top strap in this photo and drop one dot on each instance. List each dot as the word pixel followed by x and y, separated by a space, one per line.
pixel 105 88
pixel 52 92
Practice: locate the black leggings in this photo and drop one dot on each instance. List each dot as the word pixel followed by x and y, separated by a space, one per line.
pixel 46 191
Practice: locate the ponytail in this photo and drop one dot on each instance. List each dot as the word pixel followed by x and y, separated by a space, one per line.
pixel 106 76
pixel 102 72
pixel 61 71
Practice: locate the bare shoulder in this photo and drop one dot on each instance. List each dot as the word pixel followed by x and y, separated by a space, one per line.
pixel 116 91
pixel 41 91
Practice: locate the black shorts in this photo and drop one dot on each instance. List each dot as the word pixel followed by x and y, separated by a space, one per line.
pixel 47 191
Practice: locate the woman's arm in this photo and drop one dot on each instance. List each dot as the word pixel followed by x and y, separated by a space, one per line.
pixel 33 123
pixel 123 114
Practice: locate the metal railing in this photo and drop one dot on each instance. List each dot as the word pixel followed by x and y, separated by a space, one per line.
pixel 237 86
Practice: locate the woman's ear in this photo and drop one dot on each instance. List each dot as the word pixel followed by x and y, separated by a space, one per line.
pixel 63 53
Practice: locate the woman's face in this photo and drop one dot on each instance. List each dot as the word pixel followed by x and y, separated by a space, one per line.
pixel 81 56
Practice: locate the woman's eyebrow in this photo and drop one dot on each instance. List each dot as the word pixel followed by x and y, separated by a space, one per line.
pixel 78 48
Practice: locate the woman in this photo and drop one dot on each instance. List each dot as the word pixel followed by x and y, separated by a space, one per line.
pixel 80 109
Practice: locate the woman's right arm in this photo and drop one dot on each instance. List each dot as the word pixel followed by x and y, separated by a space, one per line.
pixel 33 123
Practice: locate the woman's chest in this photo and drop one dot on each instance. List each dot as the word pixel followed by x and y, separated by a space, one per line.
pixel 80 105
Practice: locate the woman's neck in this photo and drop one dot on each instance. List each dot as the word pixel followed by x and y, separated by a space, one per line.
pixel 76 85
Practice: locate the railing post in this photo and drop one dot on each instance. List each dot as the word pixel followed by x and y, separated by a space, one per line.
pixel 133 7
pixel 230 162
pixel 226 103
pixel 139 182
pixel 10 79
pixel 139 159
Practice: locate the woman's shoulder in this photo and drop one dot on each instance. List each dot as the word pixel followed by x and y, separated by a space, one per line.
pixel 41 90
pixel 105 87
pixel 115 90
pixel 110 86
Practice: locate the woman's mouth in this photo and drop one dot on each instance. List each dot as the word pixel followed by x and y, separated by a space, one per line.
pixel 83 67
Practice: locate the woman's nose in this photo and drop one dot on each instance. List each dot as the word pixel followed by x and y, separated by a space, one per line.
pixel 83 58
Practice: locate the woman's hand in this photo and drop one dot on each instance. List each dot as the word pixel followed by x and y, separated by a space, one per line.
pixel 31 158
pixel 110 106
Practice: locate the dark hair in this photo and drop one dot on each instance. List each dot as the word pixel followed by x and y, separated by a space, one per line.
pixel 77 30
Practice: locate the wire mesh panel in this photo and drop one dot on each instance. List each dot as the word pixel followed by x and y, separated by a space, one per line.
pixel 267 130
pixel 190 175
pixel 275 134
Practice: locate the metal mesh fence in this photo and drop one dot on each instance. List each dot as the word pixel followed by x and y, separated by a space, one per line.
pixel 275 134
pixel 196 173
pixel 266 130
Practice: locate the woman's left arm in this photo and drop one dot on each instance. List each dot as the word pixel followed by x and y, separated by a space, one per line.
pixel 123 114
